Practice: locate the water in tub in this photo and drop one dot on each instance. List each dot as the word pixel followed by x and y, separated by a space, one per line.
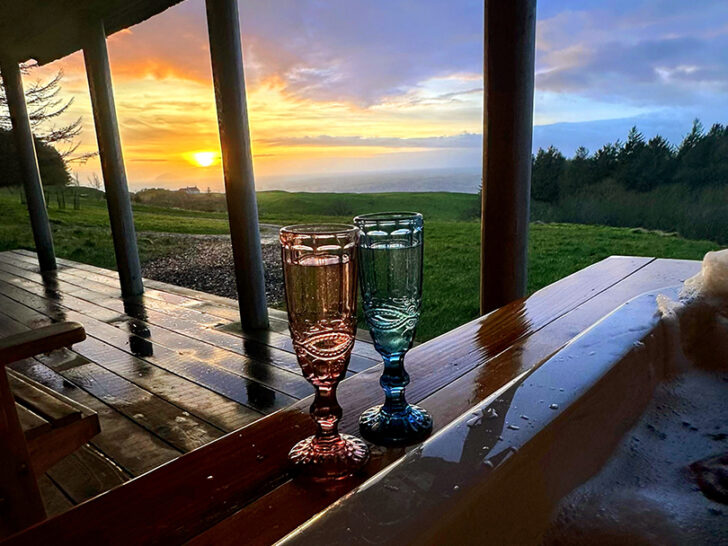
pixel 667 482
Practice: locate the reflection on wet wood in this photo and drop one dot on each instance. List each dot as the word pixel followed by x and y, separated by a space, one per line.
pixel 161 375
pixel 124 441
pixel 448 374
pixel 456 398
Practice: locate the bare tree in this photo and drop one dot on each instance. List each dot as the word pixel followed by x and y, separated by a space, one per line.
pixel 95 181
pixel 45 107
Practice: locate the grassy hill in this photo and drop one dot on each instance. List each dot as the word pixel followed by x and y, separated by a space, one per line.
pixel 451 247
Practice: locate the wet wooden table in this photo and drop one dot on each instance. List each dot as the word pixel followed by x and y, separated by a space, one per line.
pixel 237 488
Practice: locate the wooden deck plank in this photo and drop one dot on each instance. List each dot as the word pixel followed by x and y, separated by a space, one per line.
pixel 52 410
pixel 33 425
pixel 196 327
pixel 54 500
pixel 170 422
pixel 131 446
pixel 217 307
pixel 277 337
pixel 86 473
pixel 222 412
pixel 184 365
pixel 211 346
pixel 242 466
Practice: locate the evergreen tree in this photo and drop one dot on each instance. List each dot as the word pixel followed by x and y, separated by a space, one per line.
pixel 548 166
pixel 633 162
pixel 703 157
pixel 53 171
pixel 579 172
pixel 605 160
pixel 691 140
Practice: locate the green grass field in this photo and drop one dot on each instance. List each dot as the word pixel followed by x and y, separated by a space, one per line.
pixel 451 247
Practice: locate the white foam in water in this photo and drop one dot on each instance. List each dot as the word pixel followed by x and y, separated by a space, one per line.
pixel 712 281
pixel 646 493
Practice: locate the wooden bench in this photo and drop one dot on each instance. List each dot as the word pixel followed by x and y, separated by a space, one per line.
pixel 54 425
pixel 38 426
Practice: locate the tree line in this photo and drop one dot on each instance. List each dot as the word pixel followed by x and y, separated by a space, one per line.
pixel 637 164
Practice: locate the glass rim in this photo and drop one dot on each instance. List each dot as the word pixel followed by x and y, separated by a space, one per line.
pixel 319 229
pixel 388 216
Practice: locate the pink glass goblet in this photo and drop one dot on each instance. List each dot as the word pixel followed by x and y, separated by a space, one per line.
pixel 320 273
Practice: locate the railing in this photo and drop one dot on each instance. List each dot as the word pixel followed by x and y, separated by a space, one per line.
pixel 507 128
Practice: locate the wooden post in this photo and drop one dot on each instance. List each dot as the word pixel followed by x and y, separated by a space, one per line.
pixel 232 115
pixel 29 170
pixel 510 37
pixel 98 72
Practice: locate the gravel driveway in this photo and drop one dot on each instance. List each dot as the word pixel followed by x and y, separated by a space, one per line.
pixel 205 262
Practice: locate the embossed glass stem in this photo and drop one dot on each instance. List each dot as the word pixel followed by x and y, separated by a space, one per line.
pixel 390 265
pixel 320 273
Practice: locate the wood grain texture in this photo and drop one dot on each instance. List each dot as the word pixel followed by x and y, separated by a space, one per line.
pixel 168 421
pixel 90 472
pixel 225 476
pixel 115 351
pixel 174 327
pixel 185 316
pixel 54 500
pixel 50 408
pixel 39 340
pixel 129 445
pixel 299 504
pixel 33 425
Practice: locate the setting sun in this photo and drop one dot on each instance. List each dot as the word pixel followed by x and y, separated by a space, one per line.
pixel 204 159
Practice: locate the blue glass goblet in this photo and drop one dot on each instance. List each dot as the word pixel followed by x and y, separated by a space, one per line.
pixel 390 272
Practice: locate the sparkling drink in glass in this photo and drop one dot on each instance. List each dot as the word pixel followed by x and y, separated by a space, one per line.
pixel 390 266
pixel 320 273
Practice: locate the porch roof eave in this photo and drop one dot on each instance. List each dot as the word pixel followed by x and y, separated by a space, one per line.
pixel 46 30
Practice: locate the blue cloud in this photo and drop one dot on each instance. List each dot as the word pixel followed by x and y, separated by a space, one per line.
pixel 361 51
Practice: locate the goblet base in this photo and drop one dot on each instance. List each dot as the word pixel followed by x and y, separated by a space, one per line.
pixel 410 426
pixel 330 459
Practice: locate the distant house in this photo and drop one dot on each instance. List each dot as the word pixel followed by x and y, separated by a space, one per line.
pixel 190 189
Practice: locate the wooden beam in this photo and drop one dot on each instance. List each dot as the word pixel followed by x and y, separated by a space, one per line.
pixel 29 170
pixel 98 72
pixel 20 502
pixel 232 115
pixel 510 37
pixel 40 340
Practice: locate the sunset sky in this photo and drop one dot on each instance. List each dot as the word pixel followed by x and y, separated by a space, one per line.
pixel 352 86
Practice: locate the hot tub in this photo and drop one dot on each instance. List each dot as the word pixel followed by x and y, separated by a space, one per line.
pixel 594 446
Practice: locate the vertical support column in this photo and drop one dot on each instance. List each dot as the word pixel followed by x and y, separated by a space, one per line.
pixel 510 38
pixel 98 71
pixel 232 115
pixel 29 170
